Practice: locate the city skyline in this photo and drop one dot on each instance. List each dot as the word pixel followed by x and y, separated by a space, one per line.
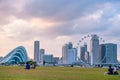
pixel 55 23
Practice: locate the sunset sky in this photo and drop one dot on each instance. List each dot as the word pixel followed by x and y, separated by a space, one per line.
pixel 56 22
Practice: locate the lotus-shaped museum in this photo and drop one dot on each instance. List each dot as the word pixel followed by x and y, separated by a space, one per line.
pixel 16 56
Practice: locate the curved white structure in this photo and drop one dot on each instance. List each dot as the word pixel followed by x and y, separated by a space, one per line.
pixel 17 55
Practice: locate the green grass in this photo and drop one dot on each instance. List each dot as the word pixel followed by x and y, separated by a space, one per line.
pixel 54 73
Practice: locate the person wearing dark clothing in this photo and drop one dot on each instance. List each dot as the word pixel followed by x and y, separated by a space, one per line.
pixel 27 66
pixel 44 62
pixel 115 70
pixel 33 66
pixel 110 70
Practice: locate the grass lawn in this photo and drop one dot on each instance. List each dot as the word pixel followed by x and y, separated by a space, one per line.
pixel 55 73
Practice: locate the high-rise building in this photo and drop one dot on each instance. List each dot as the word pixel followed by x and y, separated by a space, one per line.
pixel 72 56
pixel 36 51
pixel 94 48
pixel 56 60
pixel 69 54
pixel 102 53
pixel 70 45
pixel 87 57
pixel 83 50
pixel 64 53
pixel 82 53
pixel 108 53
pixel 42 52
pixel 85 45
pixel 48 58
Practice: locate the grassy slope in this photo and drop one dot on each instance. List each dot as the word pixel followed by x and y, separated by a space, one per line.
pixel 54 73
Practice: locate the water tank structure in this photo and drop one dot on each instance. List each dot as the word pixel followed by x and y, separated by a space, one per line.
pixel 16 56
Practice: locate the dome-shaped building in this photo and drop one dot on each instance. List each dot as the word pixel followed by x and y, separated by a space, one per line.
pixel 16 56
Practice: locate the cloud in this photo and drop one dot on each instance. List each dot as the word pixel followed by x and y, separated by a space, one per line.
pixel 18 30
pixel 72 17
pixel 114 29
pixel 10 8
pixel 62 10
pixel 23 30
pixel 57 20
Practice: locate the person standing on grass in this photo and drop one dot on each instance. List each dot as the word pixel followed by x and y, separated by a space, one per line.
pixel 43 62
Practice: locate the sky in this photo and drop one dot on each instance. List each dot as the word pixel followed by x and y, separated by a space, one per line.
pixel 56 22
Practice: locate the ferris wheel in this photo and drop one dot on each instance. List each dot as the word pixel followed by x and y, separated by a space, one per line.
pixel 88 37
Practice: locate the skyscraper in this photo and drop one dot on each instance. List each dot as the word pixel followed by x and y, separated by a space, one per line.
pixel 87 57
pixel 102 53
pixel 42 52
pixel 94 48
pixel 83 50
pixel 108 53
pixel 36 51
pixel 64 53
pixel 69 54
pixel 70 45
pixel 82 53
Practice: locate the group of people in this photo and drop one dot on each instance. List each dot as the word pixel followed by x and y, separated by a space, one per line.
pixel 28 66
pixel 112 71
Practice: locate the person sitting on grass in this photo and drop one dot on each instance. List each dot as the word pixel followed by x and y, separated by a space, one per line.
pixel 115 70
pixel 27 66
pixel 33 66
pixel 110 71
